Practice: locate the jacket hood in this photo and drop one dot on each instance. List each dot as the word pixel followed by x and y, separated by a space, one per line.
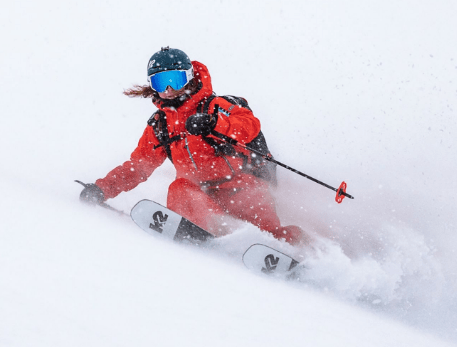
pixel 205 88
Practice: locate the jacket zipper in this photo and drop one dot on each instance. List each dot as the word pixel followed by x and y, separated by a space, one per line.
pixel 230 166
pixel 190 154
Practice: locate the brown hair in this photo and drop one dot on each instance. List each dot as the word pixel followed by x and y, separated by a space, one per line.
pixel 146 91
pixel 140 91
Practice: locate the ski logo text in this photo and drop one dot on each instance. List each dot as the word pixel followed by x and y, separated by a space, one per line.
pixel 271 262
pixel 159 221
pixel 151 63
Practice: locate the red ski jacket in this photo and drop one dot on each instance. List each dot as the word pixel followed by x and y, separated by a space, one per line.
pixel 193 158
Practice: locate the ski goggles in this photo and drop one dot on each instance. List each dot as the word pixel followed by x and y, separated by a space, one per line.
pixel 176 79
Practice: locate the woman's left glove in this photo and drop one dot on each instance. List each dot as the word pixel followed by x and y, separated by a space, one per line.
pixel 201 123
pixel 92 194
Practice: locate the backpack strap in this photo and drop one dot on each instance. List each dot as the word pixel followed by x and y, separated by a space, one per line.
pixel 158 122
pixel 203 106
pixel 237 100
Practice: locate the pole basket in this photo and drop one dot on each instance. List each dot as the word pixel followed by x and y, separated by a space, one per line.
pixel 341 192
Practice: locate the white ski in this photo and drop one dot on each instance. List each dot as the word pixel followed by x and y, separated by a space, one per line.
pixel 155 218
pixel 261 258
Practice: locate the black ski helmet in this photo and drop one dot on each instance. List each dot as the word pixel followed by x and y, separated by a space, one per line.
pixel 168 59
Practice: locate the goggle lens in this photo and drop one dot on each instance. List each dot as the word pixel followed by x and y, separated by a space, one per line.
pixel 176 79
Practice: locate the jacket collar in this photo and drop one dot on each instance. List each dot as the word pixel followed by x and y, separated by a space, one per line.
pixel 204 80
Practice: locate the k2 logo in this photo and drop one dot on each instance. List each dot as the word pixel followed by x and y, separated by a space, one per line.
pixel 270 264
pixel 159 221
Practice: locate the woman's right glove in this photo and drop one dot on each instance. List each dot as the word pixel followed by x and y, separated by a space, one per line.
pixel 92 194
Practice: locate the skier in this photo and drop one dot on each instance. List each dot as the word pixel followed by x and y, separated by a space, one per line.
pixel 213 179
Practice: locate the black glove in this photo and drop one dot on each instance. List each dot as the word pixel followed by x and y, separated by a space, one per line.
pixel 202 123
pixel 92 194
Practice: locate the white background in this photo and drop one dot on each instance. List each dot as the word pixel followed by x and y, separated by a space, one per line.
pixel 361 91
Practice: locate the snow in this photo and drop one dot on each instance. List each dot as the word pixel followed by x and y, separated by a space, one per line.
pixel 360 91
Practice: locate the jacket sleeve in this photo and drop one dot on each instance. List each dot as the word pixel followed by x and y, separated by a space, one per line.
pixel 143 161
pixel 235 121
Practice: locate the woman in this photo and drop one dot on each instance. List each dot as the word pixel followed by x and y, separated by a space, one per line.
pixel 213 179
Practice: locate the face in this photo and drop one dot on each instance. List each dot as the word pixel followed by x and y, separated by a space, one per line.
pixel 170 93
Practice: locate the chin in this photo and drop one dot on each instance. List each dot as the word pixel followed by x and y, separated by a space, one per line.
pixel 176 101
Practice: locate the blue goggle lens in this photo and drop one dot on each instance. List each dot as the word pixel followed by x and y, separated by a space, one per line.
pixel 176 79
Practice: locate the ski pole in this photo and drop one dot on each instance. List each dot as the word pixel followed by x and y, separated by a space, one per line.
pixel 104 204
pixel 340 192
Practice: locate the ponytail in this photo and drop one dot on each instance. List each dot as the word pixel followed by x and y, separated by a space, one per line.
pixel 138 91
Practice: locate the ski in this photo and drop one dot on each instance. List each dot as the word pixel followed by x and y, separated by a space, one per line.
pixel 157 219
pixel 263 259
